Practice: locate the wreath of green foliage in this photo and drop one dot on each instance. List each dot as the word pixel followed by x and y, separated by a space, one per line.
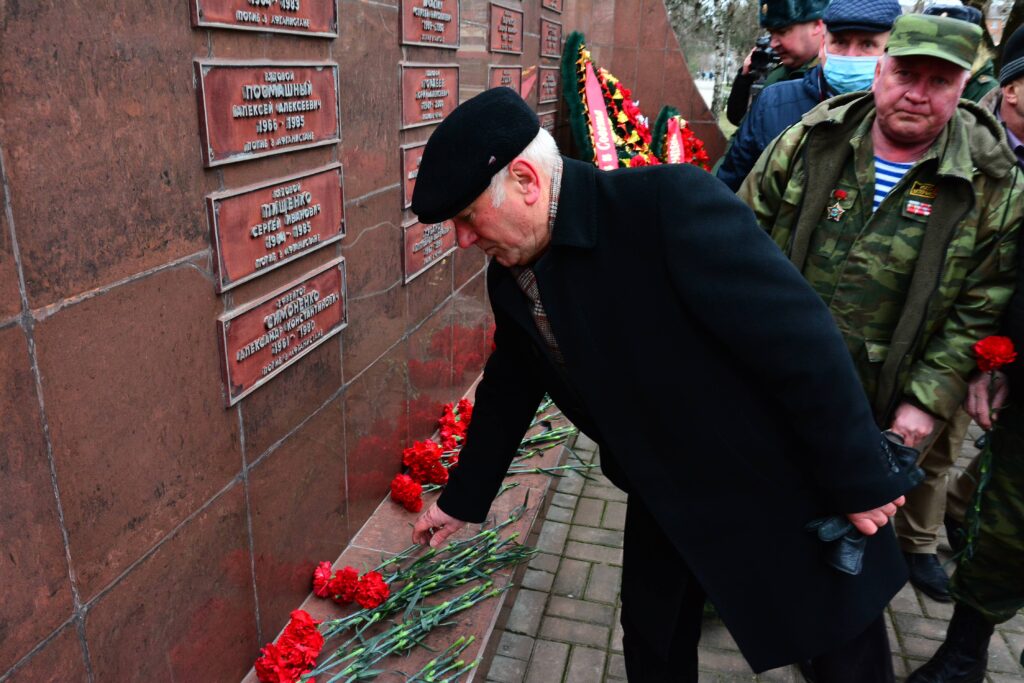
pixel 572 90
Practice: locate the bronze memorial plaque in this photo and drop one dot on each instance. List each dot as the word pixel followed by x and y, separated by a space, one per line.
pixel 433 23
pixel 411 155
pixel 549 84
pixel 548 120
pixel 304 17
pixel 506 34
pixel 550 38
pixel 262 338
pixel 429 93
pixel 425 245
pixel 508 76
pixel 249 110
pixel 553 5
pixel 259 228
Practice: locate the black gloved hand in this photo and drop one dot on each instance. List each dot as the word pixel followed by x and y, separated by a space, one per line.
pixel 846 543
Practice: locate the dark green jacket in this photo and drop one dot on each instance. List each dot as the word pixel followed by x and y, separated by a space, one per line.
pixel 983 81
pixel 960 271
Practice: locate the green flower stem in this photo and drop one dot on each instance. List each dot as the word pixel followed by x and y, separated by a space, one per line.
pixel 445 663
pixel 402 637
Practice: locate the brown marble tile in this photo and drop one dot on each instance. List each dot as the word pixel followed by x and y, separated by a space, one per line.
pixel 373 253
pixel 430 373
pixel 375 429
pixel 134 199
pixel 468 264
pixel 376 323
pixel 272 411
pixel 627 29
pixel 255 45
pixel 370 104
pixel 603 24
pixel 60 661
pixel 297 497
pixel 428 291
pixel 471 320
pixel 10 294
pixel 262 170
pixel 389 529
pixel 33 571
pixel 624 67
pixel 135 405
pixel 654 27
pixel 649 76
pixel 186 612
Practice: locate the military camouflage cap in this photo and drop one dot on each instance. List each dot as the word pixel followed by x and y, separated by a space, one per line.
pixel 783 13
pixel 930 36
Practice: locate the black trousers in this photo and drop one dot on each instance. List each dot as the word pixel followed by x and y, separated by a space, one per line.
pixel 661 618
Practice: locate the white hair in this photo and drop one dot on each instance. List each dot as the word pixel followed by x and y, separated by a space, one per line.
pixel 542 151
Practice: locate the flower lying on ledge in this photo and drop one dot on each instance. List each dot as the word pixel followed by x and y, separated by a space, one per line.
pixel 406 492
pixel 346 586
pixel 294 653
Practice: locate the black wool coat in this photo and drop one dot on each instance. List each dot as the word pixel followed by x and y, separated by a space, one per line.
pixel 718 389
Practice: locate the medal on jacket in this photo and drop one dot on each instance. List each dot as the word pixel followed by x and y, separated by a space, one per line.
pixel 835 212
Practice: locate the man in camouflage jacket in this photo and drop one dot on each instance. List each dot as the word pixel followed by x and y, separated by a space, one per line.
pixel 913 283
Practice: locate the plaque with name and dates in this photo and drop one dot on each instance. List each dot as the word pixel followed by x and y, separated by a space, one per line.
pixel 429 93
pixel 553 5
pixel 249 110
pixel 548 83
pixel 425 246
pixel 506 33
pixel 508 76
pixel 302 17
pixel 411 155
pixel 550 38
pixel 432 23
pixel 547 120
pixel 260 339
pixel 259 228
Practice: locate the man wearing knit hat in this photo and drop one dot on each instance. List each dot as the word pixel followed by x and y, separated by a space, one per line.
pixel 652 291
pixel 796 31
pixel 988 586
pixel 901 207
pixel 855 39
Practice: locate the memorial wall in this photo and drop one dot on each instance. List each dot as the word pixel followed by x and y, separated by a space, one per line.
pixel 219 321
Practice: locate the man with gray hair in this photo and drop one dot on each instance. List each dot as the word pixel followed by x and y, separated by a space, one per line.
pixel 650 294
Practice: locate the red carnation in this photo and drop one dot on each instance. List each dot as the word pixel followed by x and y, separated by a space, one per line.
pixel 465 409
pixel 994 352
pixel 839 195
pixel 423 459
pixel 321 579
pixel 407 492
pixel 343 586
pixel 294 653
pixel 372 590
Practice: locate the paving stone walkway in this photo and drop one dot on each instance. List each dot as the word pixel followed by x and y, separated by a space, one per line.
pixel 563 625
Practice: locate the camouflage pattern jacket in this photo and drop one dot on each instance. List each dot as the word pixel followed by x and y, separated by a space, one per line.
pixel 913 285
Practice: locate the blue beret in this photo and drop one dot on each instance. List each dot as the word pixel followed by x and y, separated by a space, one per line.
pixel 961 12
pixel 783 13
pixel 873 16
pixel 478 139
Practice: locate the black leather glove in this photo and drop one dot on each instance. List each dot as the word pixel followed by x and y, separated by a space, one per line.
pixel 846 545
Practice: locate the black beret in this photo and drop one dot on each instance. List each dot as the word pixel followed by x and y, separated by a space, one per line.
pixel 966 13
pixel 478 139
pixel 1013 58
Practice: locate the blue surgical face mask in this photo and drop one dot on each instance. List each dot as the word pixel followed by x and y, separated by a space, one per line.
pixel 849 74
